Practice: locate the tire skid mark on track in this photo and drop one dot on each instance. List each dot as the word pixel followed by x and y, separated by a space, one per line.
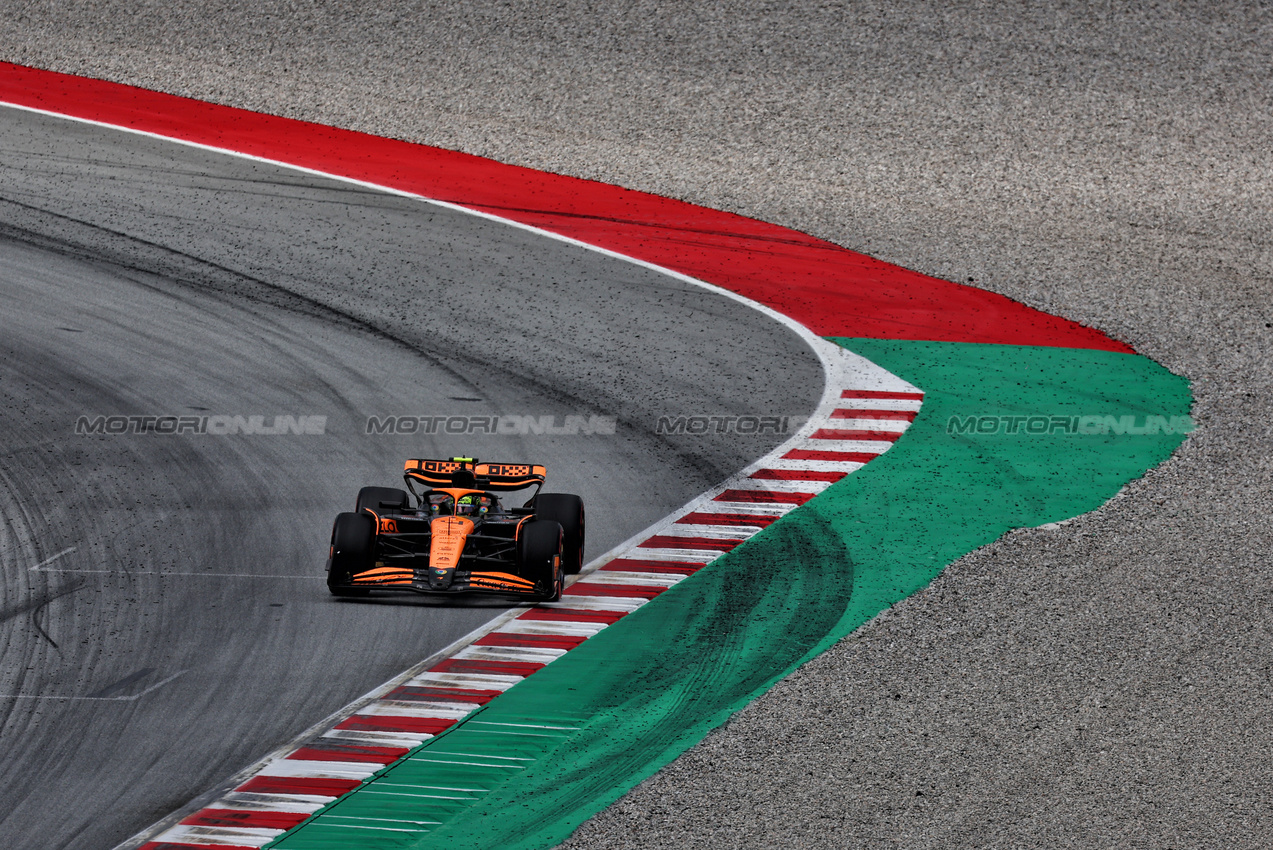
pixel 97 697
pixel 285 790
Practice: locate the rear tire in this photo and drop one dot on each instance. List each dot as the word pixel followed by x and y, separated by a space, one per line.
pixel 567 511
pixel 539 555
pixel 352 551
pixel 373 497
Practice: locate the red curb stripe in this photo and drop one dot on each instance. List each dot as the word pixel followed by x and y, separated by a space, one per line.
pixel 335 751
pixel 636 565
pixel 796 475
pixel 878 394
pixel 764 496
pixel 432 693
pixel 643 591
pixel 831 290
pixel 246 818
pixel 837 434
pixel 847 457
pixel 900 415
pixel 394 723
pixel 310 786
pixel 707 544
pixel 696 518
pixel 483 666
pixel 545 641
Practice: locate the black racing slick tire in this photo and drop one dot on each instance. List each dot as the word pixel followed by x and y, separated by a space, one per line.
pixel 567 511
pixel 382 497
pixel 352 551
pixel 539 555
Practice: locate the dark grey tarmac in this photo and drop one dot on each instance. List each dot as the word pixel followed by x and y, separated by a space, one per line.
pixel 1104 683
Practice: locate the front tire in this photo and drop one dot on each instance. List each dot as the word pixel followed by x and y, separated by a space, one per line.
pixel 567 511
pixel 352 551
pixel 539 556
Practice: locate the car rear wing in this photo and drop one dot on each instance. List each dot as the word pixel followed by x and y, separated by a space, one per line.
pixel 468 472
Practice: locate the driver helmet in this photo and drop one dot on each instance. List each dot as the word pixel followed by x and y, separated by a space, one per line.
pixel 473 503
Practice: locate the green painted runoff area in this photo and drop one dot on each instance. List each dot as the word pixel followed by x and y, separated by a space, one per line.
pixel 555 749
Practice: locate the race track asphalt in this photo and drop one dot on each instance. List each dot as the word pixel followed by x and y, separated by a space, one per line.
pixel 1102 683
pixel 176 627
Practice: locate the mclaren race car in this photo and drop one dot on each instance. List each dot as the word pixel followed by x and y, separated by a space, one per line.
pixel 458 537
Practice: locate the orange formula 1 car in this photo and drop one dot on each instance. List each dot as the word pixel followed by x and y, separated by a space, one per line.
pixel 458 537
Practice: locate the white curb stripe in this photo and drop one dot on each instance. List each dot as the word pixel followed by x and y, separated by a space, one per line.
pixel 473 681
pixel 511 653
pixel 219 836
pixel 551 627
pixel 400 708
pixel 618 577
pixel 409 740
pixel 289 803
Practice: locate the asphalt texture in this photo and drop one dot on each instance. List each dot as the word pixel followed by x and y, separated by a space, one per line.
pixel 1102 683
pixel 165 621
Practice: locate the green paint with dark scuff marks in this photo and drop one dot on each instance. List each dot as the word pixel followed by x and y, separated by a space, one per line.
pixel 561 745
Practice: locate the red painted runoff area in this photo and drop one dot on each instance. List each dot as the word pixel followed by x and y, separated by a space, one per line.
pixel 831 290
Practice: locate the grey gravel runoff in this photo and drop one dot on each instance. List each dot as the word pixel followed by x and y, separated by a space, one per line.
pixel 1102 683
